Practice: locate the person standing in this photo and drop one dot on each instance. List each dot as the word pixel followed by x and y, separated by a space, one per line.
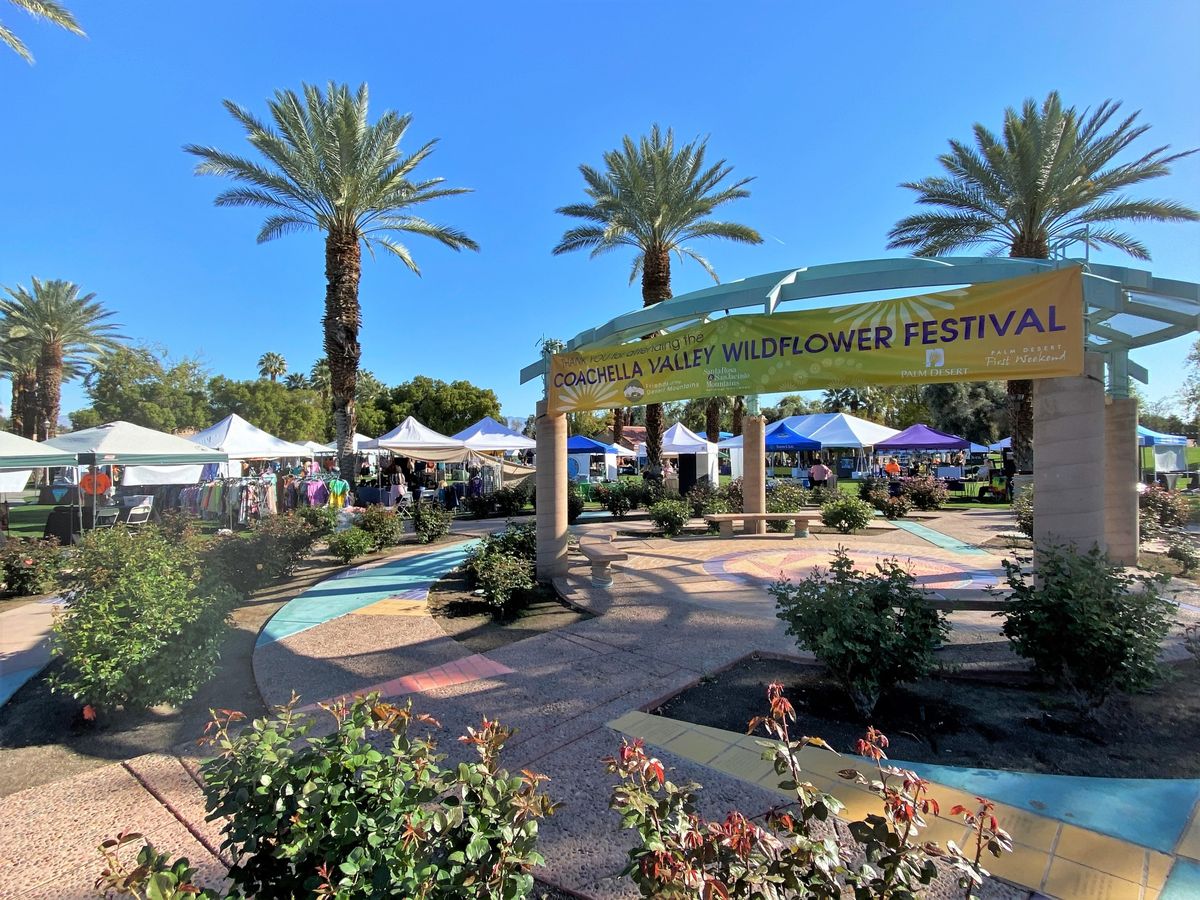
pixel 818 475
pixel 1010 471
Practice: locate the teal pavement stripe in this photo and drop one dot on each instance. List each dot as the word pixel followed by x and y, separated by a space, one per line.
pixel 937 538
pixel 1149 812
pixel 410 577
pixel 1184 881
pixel 11 682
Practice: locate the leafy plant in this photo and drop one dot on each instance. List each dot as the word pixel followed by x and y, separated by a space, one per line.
pixel 925 492
pixel 820 495
pixel 431 522
pixel 142 624
pixel 847 514
pixel 153 875
pixel 670 515
pixel 321 519
pixel 346 815
pixel 270 550
pixel 784 497
pixel 382 524
pixel 352 543
pixel 478 506
pixel 1022 507
pixel 1182 549
pixel 510 501
pixel 892 507
pixel 1087 626
pixel 705 499
pixel 574 504
pixel 502 577
pixel 30 566
pixel 620 498
pixel 679 854
pixel 871 630
pixel 1164 507
pixel 731 493
pixel 515 540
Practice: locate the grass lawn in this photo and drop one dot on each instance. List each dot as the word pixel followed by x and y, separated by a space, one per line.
pixel 27 520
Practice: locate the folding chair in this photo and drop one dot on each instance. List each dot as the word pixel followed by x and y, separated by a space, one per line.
pixel 107 518
pixel 139 515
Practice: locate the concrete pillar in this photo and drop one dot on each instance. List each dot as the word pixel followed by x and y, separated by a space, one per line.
pixel 754 474
pixel 1121 478
pixel 1070 487
pixel 551 480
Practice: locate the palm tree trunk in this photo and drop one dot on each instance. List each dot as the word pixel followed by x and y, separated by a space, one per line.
pixel 618 425
pixel 1020 392
pixel 49 395
pixel 343 267
pixel 739 410
pixel 656 287
pixel 712 419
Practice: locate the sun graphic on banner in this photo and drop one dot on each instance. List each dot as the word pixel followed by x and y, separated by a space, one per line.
pixel 895 313
pixel 589 396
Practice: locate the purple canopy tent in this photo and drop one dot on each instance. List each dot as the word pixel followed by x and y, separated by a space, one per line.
pixel 922 437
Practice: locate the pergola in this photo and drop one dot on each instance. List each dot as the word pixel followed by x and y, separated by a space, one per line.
pixel 1126 309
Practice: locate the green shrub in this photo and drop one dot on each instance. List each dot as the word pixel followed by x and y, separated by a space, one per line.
pixel 892 507
pixel 142 625
pixel 431 522
pixel 705 499
pixel 819 496
pixel 515 540
pixel 670 515
pixel 847 515
pixel 871 630
pixel 1164 507
pixel 321 519
pixel 502 578
pixel 1022 507
pixel 510 501
pixel 151 874
pixel 1086 625
pixel 385 527
pixel 369 811
pixel 574 504
pixel 731 493
pixel 1182 549
pixel 30 566
pixel 924 492
pixel 871 486
pixel 255 558
pixel 350 544
pixel 180 526
pixel 620 498
pixel 651 491
pixel 478 506
pixel 784 497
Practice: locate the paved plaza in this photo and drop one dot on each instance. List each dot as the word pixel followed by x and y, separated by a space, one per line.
pixel 678 610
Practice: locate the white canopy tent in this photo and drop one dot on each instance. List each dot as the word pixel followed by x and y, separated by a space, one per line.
pixel 361 444
pixel 488 435
pixel 19 456
pixel 412 439
pixel 839 431
pixel 126 444
pixel 679 439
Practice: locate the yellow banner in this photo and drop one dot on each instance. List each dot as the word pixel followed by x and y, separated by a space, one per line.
pixel 1029 327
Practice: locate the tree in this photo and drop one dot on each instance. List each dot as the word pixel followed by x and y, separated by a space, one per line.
pixel 18 363
pixel 589 424
pixel 444 407
pixel 530 429
pixel 976 410
pixel 792 405
pixel 70 332
pixel 143 386
pixel 655 198
pixel 50 10
pixel 296 381
pixel 328 168
pixel 291 415
pixel 1051 180
pixel 272 365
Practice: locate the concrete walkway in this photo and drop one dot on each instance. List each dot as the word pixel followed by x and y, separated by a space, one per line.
pixel 24 643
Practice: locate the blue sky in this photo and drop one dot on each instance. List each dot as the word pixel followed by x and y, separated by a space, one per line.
pixel 829 111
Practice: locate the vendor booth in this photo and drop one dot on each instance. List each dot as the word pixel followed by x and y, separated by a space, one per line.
pixel 697 457
pixel 582 451
pixel 488 435
pixel 19 456
pixel 1169 452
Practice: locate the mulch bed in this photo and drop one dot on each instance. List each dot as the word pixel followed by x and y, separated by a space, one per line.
pixel 463 616
pixel 983 719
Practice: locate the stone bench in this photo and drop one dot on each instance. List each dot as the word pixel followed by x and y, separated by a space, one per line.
pixel 601 555
pixel 725 521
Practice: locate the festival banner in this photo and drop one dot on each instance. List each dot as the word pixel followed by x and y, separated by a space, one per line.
pixel 1030 327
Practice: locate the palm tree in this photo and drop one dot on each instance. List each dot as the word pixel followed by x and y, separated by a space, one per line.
pixel 1050 180
pixel 318 377
pixel 18 363
pixel 53 12
pixel 296 381
pixel 272 365
pixel 655 198
pixel 70 332
pixel 328 168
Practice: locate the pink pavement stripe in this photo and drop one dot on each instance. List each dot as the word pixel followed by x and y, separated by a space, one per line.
pixel 460 671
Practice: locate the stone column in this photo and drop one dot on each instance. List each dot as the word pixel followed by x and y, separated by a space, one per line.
pixel 754 473
pixel 1070 486
pixel 1121 478
pixel 551 481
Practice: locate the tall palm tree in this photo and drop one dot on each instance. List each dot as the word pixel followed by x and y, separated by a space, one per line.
pixel 1051 179
pixel 326 167
pixel 18 363
pixel 272 365
pixel 656 198
pixel 296 381
pixel 53 12
pixel 70 332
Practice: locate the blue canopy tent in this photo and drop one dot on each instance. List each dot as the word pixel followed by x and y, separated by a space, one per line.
pixel 580 451
pixel 786 440
pixel 1149 438
pixel 1004 444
